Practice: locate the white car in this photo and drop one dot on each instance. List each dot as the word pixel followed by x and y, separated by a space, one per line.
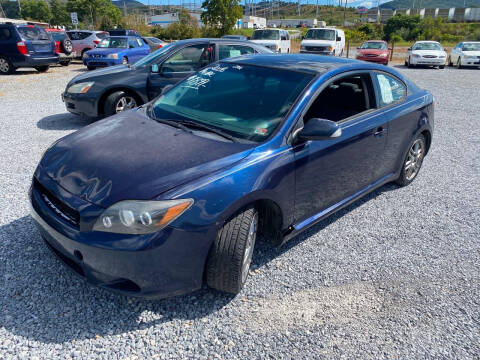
pixel 323 41
pixel 277 40
pixel 466 53
pixel 426 53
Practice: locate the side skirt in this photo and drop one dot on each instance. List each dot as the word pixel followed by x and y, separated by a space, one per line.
pixel 297 228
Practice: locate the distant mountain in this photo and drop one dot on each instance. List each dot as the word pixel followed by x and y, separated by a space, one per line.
pixel 130 4
pixel 442 4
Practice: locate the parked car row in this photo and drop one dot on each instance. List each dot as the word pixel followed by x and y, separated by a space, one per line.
pixel 157 200
pixel 28 45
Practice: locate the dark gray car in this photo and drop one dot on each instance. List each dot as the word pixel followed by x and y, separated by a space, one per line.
pixel 111 90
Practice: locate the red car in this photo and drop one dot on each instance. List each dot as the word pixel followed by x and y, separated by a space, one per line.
pixel 63 46
pixel 375 51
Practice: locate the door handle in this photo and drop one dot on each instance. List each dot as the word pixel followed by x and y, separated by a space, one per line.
pixel 379 132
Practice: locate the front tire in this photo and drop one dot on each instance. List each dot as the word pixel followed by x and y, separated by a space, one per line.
pixel 65 63
pixel 413 161
pixel 91 67
pixel 6 66
pixel 459 63
pixel 124 60
pixel 229 259
pixel 42 68
pixel 117 102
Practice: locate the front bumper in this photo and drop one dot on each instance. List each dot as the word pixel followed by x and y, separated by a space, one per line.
pixel 101 62
pixel 163 264
pixel 62 56
pixel 470 62
pixel 81 104
pixel 326 53
pixel 428 61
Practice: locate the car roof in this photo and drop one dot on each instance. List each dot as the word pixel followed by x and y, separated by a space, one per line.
pixel 191 41
pixel 375 41
pixel 427 41
pixel 311 63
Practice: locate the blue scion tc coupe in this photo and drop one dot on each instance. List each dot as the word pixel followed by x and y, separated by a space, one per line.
pixel 155 200
pixel 116 50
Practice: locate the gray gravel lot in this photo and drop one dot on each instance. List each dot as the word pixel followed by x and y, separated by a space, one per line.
pixel 394 276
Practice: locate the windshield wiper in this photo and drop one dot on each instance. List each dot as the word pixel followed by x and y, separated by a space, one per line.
pixel 172 122
pixel 196 125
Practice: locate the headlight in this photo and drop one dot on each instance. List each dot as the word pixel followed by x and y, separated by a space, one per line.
pixel 140 217
pixel 302 47
pixel 85 55
pixel 469 57
pixel 442 56
pixel 112 56
pixel 383 55
pixel 415 55
pixel 330 48
pixel 80 88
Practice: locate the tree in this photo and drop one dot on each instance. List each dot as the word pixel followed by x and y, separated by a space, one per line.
pixel 405 25
pixel 221 15
pixel 11 9
pixel 36 10
pixel 60 15
pixel 96 12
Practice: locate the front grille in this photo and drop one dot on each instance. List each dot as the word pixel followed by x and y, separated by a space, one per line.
pixel 371 55
pixel 429 56
pixel 59 208
pixel 98 56
pixel 317 48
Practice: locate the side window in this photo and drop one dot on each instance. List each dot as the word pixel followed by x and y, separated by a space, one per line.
pixel 132 43
pixel 229 51
pixel 343 98
pixel 5 34
pixel 191 58
pixel 141 42
pixel 391 90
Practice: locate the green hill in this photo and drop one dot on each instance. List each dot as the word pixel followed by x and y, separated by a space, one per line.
pixel 130 4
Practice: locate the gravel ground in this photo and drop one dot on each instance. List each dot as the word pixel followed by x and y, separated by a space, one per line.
pixel 394 276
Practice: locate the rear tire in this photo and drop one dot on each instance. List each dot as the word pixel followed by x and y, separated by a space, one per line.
pixel 413 161
pixel 65 63
pixel 441 67
pixel 91 67
pixel 42 68
pixel 450 61
pixel 229 259
pixel 117 102
pixel 6 66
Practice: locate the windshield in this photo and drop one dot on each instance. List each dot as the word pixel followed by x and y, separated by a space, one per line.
pixel 266 35
pixel 374 45
pixel 31 32
pixel 471 46
pixel 152 57
pixel 427 46
pixel 320 34
pixel 244 101
pixel 113 43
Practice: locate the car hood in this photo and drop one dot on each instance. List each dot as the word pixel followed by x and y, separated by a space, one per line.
pixel 130 156
pixel 471 53
pixel 90 75
pixel 106 51
pixel 317 43
pixel 429 52
pixel 372 51
pixel 265 42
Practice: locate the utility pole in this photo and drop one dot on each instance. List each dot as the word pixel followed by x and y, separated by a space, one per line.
pixel 344 12
pixel 316 11
pixel 299 8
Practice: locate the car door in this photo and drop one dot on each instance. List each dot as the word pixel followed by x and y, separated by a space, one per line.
pixel 456 53
pixel 179 65
pixel 144 48
pixel 328 172
pixel 403 117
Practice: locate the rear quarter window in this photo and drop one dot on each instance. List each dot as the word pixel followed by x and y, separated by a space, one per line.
pixel 5 34
pixel 32 33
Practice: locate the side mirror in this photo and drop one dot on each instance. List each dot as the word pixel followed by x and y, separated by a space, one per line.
pixel 339 38
pixel 303 37
pixel 390 49
pixel 166 88
pixel 409 49
pixel 248 38
pixel 131 46
pixel 319 129
pixel 358 48
pixel 284 38
pixel 154 69
pixel 445 49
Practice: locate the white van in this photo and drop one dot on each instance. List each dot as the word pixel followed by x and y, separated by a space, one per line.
pixel 323 41
pixel 277 40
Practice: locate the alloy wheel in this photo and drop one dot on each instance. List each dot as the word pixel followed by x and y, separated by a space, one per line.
pixel 124 61
pixel 125 103
pixel 414 159
pixel 4 66
pixel 247 258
